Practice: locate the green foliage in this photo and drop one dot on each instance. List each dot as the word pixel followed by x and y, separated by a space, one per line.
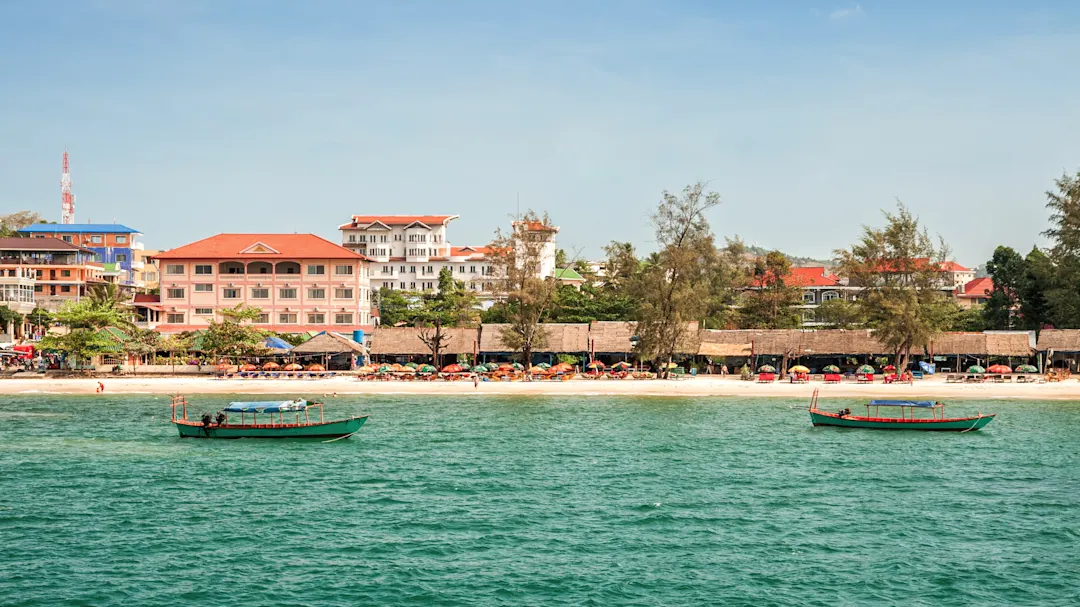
pixel 899 269
pixel 293 339
pixel 141 342
pixel 78 345
pixel 86 314
pixel 770 303
pixel 453 305
pixel 7 315
pixel 394 306
pixel 234 336
pixel 840 314
pixel 40 317
pixel 574 305
pixel 1035 308
pixel 11 223
pixel 1008 271
pixel 961 319
pixel 674 287
pixel 569 359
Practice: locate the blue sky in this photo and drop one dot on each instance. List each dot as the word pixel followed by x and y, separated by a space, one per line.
pixel 189 118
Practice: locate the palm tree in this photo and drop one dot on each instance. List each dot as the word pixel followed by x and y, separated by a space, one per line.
pixel 107 297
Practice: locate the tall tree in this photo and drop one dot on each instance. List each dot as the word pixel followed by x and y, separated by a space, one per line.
pixel 140 342
pixel 840 313
pixel 673 289
pixel 1039 278
pixel 395 307
pixel 1063 296
pixel 84 321
pixel 899 269
pixel 622 266
pixel 1007 270
pixel 453 305
pixel 517 277
pixel 770 301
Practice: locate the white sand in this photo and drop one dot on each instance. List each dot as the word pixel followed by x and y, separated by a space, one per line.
pixel 935 388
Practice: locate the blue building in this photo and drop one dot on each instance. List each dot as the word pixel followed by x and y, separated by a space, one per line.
pixel 115 245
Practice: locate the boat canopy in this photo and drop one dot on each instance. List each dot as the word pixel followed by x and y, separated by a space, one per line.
pixel 902 403
pixel 267 406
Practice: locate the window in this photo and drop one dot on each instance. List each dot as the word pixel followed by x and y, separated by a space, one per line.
pixel 37 289
pixel 263 319
pixel 412 286
pixel 260 293
pixel 65 273
pixel 319 293
pixel 387 270
pixel 402 287
pixel 343 270
pixel 121 239
pixel 316 270
pixel 230 293
pixel 65 289
pixel 95 239
pixel 174 319
pixel 316 318
pixel 382 238
pixel 472 269
pixel 461 269
pixel 352 238
pixel 65 238
pixel 402 269
pixel 285 318
pixel 343 293
pixel 204 269
pixel 829 296
pixel 808 316
pixel 343 319
pixel 412 269
pixel 204 288
pixel 121 257
pixel 808 297
pixel 204 311
pixel 174 269
pixel 150 276
pixel 287 293
pixel 174 293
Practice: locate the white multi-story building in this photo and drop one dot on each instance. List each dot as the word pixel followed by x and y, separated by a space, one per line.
pixel 407 252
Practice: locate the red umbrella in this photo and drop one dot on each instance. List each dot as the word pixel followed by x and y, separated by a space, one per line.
pixel 454 368
pixel 999 369
pixel 248 367
pixel 889 368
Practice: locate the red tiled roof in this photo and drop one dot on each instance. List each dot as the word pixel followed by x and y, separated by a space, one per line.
pixel 808 277
pixel 469 251
pixel 16 243
pixel 278 246
pixel 147 298
pixel 536 226
pixel 398 220
pixel 952 266
pixel 978 288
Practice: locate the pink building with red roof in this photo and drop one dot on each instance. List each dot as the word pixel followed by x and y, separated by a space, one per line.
pixel 975 293
pixel 301 282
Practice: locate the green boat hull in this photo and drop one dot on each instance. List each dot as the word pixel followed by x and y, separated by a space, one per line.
pixel 332 429
pixel 960 424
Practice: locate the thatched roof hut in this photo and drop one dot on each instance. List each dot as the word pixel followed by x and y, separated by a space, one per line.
pixel 982 344
pixel 561 338
pixel 612 337
pixel 328 343
pixel 1059 340
pixel 791 342
pixel 406 341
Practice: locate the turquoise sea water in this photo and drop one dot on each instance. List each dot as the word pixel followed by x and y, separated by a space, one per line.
pixel 536 501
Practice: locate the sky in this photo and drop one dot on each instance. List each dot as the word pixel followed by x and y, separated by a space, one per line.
pixel 188 118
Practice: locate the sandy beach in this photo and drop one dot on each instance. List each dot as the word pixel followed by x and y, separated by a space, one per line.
pixel 701 386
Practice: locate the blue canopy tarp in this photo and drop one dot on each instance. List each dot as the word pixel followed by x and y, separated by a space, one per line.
pixel 267 406
pixel 277 343
pixel 902 403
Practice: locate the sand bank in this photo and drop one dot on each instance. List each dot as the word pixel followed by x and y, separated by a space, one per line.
pixel 700 386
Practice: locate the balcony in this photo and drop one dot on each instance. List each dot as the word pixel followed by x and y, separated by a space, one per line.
pixel 137 265
pixel 137 246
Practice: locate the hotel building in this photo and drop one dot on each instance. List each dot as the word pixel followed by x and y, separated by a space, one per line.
pixel 301 282
pixel 407 252
pixel 44 272
pixel 116 246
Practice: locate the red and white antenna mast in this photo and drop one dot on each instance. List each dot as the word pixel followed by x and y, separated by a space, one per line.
pixel 67 199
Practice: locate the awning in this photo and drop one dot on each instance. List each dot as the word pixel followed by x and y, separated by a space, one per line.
pixel 267 406
pixel 902 403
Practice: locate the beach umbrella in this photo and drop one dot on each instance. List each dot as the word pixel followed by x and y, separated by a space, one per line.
pixel 1027 369
pixel 864 370
pixel 799 369
pixel 976 369
pixel 426 369
pixel 669 366
pixel 452 369
pixel 595 366
pixel 271 366
pixel 766 369
pixel 544 366
pixel 294 367
pixel 397 368
pixel 505 367
pixel 831 369
pixel 1000 369
pixel 518 366
pixel 365 370
pixel 412 365
pixel 385 369
pixel 223 367
pixel 537 370
pixel 562 368
pixel 316 367
pixel 889 368
pixel 464 366
pixel 622 365
pixel 248 367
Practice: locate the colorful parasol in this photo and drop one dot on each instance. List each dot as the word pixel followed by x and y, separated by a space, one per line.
pixel 799 369
pixel 831 369
pixel 766 369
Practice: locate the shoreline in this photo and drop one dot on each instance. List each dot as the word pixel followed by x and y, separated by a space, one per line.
pixel 697 387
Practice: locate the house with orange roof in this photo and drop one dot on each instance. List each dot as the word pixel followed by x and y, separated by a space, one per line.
pixel 975 292
pixel 300 282
pixel 407 252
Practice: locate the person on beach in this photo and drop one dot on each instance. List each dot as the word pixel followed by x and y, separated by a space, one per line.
pixel 475 381
pixel 100 388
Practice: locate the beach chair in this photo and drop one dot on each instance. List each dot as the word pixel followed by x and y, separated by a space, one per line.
pixel 766 377
pixel 916 375
pixel 832 378
pixel 866 378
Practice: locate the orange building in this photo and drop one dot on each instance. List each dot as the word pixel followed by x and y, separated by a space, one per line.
pixel 60 271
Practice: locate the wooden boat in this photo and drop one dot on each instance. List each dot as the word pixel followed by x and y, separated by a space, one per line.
pixel 906 421
pixel 280 419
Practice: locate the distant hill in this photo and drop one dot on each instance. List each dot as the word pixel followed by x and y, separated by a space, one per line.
pixel 799 262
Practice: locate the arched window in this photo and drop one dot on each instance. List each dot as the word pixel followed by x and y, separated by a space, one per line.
pixel 260 267
pixel 230 267
pixel 287 267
